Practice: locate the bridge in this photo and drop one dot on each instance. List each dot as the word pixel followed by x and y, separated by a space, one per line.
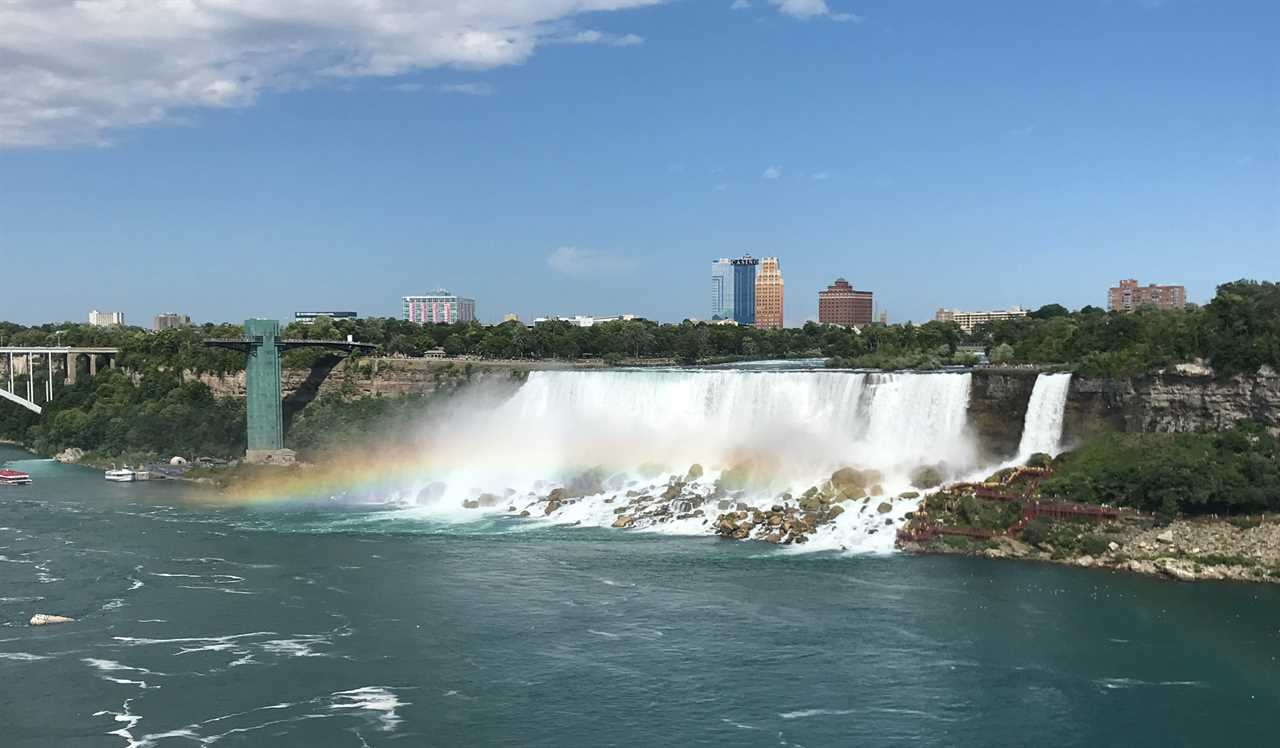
pixel 54 360
pixel 263 345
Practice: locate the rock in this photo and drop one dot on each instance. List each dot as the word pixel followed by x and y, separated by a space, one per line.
pixel 72 455
pixel 1113 546
pixel 774 538
pixel 835 511
pixel 909 495
pixel 926 476
pixel 775 520
pixel 847 477
pixel 1179 570
pixel 551 507
pixel 673 491
pixel 556 495
pixel 776 508
pixel 723 504
pixel 695 472
pixel 624 521
pixel 487 500
pixel 511 510
pixel 1165 537
pixel 876 490
pixel 1084 561
pixel 471 504
pixel 44 619
pixel 525 513
pixel 885 507
pixel 888 521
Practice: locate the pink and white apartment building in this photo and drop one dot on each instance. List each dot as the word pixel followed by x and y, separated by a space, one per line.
pixel 440 307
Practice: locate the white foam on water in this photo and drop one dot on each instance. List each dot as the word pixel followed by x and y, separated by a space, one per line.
pixel 638 429
pixel 21 656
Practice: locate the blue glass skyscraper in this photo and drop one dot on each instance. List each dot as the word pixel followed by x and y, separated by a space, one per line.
pixel 744 290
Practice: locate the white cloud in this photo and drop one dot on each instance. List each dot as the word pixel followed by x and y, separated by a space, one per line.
pixel 740 5
pixel 807 10
pixel 575 261
pixel 70 72
pixel 471 89
pixel 773 172
pixel 591 36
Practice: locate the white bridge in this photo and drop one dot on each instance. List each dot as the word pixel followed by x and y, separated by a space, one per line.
pixel 25 362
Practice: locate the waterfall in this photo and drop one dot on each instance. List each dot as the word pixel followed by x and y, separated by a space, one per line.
pixel 794 427
pixel 1042 428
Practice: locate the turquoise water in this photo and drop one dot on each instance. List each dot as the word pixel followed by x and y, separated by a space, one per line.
pixel 313 627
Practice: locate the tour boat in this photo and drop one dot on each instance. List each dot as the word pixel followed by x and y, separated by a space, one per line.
pixel 14 478
pixel 122 475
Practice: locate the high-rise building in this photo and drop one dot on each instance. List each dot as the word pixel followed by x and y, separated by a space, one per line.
pixel 511 317
pixel 840 304
pixel 1129 296
pixel 170 321
pixel 439 307
pixel 970 320
pixel 106 319
pixel 722 273
pixel 769 295
pixel 744 289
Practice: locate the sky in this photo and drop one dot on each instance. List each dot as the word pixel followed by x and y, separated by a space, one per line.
pixel 236 158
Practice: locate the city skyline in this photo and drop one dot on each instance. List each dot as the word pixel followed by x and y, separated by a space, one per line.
pixel 957 157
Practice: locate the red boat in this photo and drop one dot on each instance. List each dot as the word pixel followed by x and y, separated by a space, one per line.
pixel 14 478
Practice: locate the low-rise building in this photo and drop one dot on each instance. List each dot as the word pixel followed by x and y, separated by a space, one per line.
pixel 1129 296
pixel 439 307
pixel 970 320
pixel 170 321
pixel 583 320
pixel 307 318
pixel 841 304
pixel 106 319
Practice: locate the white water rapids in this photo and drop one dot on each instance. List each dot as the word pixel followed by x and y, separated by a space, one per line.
pixel 637 430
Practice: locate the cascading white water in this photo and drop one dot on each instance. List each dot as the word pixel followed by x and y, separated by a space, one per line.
pixel 1042 428
pixel 635 426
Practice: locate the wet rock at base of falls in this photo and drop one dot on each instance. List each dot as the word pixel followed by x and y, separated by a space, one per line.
pixel 885 507
pixel 927 476
pixel 556 495
pixel 551 507
pixel 487 500
pixel 44 619
pixel 835 511
pixel 673 491
pixel 525 513
pixel 847 478
pixel 588 483
pixel 876 490
pixel 624 521
pixel 695 472
pixel 909 495
pixel 471 504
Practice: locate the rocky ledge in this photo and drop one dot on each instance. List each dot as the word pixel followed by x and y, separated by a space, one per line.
pixel 1245 549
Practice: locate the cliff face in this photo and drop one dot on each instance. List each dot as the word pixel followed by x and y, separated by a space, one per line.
pixel 1166 402
pixel 1169 403
pixel 998 401
pixel 373 377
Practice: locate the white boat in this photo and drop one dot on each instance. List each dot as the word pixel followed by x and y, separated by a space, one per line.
pixel 141 475
pixel 121 475
pixel 14 478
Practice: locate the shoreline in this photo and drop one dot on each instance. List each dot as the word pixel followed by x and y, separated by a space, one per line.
pixel 1187 550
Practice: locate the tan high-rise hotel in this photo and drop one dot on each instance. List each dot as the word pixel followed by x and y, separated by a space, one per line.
pixel 769 295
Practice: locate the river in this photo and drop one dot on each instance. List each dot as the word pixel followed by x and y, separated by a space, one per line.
pixel 299 625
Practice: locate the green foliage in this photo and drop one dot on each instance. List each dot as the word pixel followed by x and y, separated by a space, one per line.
pixel 1237 332
pixel 1235 471
pixel 1037 531
pixel 334 423
pixel 155 413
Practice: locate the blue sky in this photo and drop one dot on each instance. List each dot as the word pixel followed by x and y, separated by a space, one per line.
pixel 546 158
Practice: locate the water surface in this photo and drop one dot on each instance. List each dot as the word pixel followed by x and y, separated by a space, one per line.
pixel 318 625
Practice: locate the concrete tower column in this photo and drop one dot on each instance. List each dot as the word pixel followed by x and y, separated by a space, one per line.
pixel 31 380
pixel 71 367
pixel 48 379
pixel 93 364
